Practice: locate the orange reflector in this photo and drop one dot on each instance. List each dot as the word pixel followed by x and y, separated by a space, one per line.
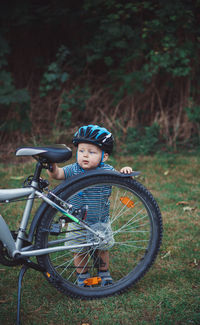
pixel 48 274
pixel 92 281
pixel 126 201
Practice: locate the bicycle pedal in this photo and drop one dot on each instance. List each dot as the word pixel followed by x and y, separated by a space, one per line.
pixel 92 281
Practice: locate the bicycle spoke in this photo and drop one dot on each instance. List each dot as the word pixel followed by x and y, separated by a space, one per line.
pixel 124 222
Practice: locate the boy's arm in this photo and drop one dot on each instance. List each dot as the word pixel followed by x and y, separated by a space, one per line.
pixel 126 170
pixel 57 172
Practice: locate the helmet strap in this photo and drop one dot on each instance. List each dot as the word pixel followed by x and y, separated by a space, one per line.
pixel 102 156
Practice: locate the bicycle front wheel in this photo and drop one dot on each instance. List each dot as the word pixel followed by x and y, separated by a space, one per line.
pixel 128 216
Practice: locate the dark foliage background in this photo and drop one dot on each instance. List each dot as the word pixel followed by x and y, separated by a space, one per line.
pixel 132 66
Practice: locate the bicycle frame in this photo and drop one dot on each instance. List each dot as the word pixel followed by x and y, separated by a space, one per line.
pixel 32 191
pixel 15 247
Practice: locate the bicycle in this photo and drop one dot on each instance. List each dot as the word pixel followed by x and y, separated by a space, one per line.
pixel 135 220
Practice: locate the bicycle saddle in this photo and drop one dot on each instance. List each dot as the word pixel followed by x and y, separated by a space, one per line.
pixel 48 154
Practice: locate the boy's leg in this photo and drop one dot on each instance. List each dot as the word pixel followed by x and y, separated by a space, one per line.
pixel 103 270
pixel 104 255
pixel 81 259
pixel 80 262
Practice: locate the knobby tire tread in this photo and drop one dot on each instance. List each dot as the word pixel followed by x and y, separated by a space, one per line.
pixel 142 192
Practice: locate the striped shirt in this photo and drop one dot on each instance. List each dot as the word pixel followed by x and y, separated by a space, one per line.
pixel 97 200
pixel 95 197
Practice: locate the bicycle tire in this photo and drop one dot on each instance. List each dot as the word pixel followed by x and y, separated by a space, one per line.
pixel 139 224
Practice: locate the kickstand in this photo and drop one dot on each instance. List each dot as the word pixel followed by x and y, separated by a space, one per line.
pixel 21 275
pixel 27 264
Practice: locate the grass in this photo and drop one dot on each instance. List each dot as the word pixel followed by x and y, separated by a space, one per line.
pixel 168 294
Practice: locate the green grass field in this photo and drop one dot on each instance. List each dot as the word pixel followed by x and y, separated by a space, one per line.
pixel 168 294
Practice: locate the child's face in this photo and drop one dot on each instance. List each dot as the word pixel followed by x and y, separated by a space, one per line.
pixel 89 156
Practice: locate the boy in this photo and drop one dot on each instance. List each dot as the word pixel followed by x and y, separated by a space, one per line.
pixel 94 144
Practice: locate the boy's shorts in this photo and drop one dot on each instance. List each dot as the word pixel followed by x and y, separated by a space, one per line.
pixel 76 236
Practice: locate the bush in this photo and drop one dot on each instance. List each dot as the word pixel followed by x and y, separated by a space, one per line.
pixel 14 103
pixel 72 102
pixel 142 140
pixel 54 76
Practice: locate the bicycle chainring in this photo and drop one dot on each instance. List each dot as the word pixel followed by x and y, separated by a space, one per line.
pixel 5 259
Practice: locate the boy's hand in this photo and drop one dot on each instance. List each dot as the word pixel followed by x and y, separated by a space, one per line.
pixel 126 170
pixel 56 173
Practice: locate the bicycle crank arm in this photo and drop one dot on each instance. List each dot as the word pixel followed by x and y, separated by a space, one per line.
pixel 6 238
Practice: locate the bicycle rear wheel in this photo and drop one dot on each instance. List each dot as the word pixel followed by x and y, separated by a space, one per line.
pixel 134 237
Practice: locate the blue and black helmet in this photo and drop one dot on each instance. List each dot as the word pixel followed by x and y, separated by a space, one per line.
pixel 94 134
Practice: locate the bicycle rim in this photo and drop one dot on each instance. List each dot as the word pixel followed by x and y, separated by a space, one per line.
pixel 133 238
